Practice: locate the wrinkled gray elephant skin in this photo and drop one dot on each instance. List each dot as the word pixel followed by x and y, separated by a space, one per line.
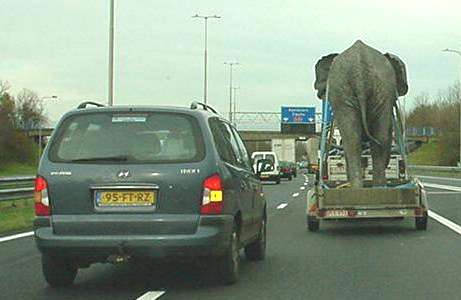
pixel 362 85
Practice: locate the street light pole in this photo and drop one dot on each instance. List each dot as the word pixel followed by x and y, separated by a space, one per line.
pixel 40 129
pixel 111 55
pixel 230 64
pixel 206 55
pixel 234 89
pixel 459 99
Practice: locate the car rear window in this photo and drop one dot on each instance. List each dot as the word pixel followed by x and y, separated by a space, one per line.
pixel 128 137
pixel 257 157
pixel 270 157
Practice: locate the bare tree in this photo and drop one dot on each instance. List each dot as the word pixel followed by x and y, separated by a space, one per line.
pixel 4 87
pixel 29 110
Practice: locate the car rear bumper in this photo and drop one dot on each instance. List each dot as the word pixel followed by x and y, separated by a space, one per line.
pixel 211 238
pixel 269 177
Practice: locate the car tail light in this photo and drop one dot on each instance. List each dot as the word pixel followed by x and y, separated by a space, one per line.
pixel 212 201
pixel 42 205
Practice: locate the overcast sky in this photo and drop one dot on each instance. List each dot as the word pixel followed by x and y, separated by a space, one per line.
pixel 60 47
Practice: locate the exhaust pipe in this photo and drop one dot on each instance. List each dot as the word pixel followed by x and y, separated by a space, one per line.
pixel 119 258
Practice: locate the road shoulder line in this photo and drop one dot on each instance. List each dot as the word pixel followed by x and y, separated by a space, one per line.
pixel 443 187
pixel 444 221
pixel 16 236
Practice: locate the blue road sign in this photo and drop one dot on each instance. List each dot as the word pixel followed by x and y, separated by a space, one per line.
pixel 298 115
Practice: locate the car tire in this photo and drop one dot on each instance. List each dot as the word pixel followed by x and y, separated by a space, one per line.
pixel 58 271
pixel 257 249
pixel 313 224
pixel 229 264
pixel 290 178
pixel 277 181
pixel 421 222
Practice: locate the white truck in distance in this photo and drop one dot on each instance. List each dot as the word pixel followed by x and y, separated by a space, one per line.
pixel 284 149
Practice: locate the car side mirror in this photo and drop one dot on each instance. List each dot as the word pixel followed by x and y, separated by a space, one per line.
pixel 264 165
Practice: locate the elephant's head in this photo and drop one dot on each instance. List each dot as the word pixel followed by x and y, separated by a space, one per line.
pixel 400 73
pixel 322 68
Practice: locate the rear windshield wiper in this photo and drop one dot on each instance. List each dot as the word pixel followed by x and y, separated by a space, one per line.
pixel 103 158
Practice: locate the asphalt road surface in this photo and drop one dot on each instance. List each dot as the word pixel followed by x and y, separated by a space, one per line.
pixel 344 260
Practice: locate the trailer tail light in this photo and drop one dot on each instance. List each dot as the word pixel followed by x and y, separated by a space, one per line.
pixel 212 201
pixel 42 204
pixel 402 168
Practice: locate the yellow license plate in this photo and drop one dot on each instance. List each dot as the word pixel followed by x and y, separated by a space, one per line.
pixel 126 198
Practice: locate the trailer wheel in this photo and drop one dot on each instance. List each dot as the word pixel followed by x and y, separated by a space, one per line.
pixel 421 222
pixel 313 224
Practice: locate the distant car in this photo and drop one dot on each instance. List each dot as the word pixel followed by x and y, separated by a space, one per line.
pixel 303 166
pixel 287 170
pixel 126 182
pixel 272 175
pixel 313 168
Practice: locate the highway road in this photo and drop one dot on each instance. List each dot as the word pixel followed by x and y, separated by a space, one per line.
pixel 344 260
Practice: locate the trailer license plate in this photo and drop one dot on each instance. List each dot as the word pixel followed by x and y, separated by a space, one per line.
pixel 336 213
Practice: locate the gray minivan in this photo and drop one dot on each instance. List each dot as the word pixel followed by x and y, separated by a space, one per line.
pixel 127 182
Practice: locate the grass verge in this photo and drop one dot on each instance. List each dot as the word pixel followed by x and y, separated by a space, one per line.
pixel 16 216
pixel 14 169
pixel 428 154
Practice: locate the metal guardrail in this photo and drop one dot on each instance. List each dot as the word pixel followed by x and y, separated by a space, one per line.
pixel 435 168
pixel 26 189
pixel 12 191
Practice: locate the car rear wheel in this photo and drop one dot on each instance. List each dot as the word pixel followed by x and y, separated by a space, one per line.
pixel 58 271
pixel 229 264
pixel 257 249
pixel 289 178
pixel 277 181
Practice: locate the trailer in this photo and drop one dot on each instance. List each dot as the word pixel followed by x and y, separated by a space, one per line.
pixel 404 196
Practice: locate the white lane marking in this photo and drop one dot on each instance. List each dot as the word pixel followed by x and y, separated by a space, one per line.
pixel 453 226
pixel 282 205
pixel 151 295
pixel 438 178
pixel 16 236
pixel 303 188
pixel 305 183
pixel 443 187
pixel 295 195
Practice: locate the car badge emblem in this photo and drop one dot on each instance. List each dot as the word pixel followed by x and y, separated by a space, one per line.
pixel 123 174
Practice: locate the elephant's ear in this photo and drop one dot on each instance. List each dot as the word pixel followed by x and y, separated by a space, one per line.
pixel 322 68
pixel 400 73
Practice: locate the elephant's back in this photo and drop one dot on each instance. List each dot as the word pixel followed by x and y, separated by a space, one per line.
pixel 361 62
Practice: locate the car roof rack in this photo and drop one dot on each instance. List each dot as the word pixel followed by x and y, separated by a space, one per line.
pixel 86 103
pixel 195 105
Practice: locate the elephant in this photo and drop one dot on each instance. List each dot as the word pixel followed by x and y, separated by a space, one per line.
pixel 362 86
